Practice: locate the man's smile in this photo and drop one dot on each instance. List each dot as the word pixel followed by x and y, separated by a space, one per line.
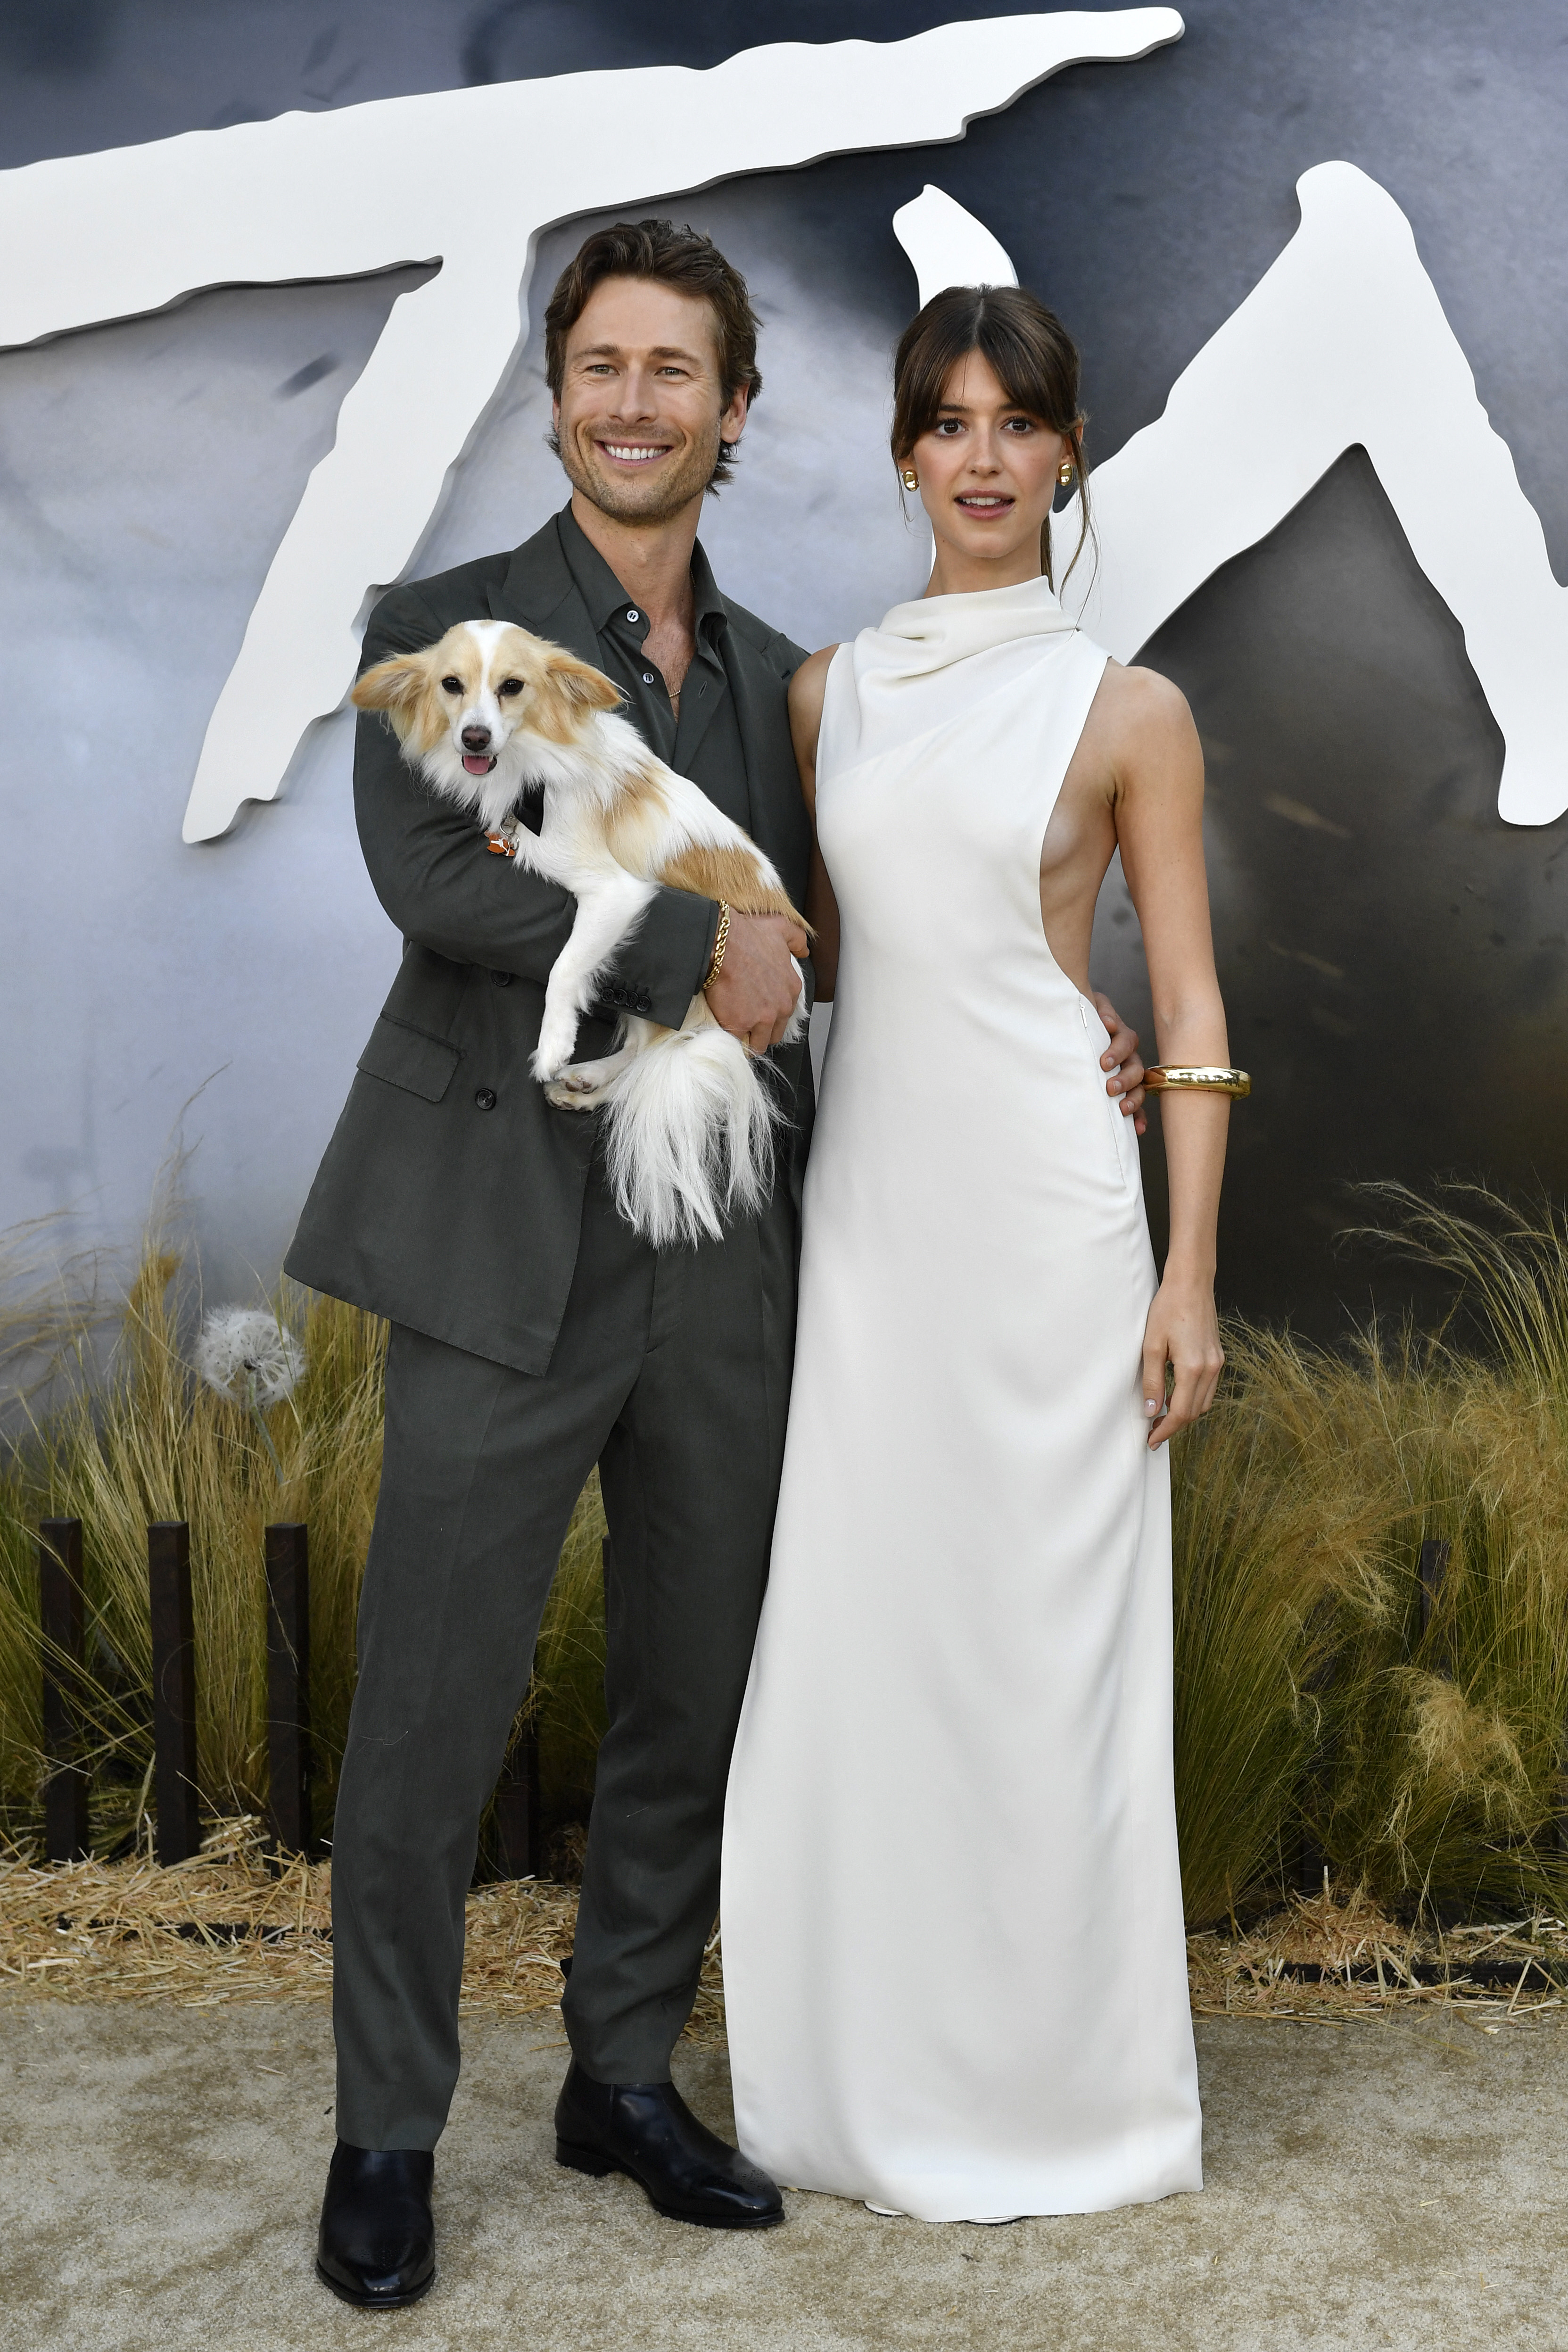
pixel 634 453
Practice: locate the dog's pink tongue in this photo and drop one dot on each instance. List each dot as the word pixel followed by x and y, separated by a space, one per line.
pixel 476 763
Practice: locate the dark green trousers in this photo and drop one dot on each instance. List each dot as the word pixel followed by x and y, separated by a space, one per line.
pixel 671 1372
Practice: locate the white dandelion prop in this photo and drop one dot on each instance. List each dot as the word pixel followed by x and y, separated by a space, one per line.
pixel 255 1361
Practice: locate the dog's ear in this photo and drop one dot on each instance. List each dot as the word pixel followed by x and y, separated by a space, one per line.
pixel 395 686
pixel 580 687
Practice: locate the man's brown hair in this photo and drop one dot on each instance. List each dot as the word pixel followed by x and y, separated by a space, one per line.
pixel 679 258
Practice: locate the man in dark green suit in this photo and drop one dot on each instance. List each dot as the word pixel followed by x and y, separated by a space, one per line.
pixel 534 1334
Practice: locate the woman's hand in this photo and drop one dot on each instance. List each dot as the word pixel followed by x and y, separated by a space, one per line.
pixel 1182 1331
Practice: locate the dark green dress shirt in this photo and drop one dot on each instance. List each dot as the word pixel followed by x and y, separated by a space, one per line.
pixel 705 742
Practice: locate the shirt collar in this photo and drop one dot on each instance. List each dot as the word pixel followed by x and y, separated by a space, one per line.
pixel 608 602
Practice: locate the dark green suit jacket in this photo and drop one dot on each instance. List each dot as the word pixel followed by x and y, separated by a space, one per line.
pixel 451 1195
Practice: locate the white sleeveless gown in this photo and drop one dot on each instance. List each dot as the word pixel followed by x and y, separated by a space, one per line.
pixel 953 1954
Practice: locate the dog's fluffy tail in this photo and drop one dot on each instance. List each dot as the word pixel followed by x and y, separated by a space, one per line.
pixel 689 1137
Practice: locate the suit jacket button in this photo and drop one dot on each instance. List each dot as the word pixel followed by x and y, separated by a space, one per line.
pixel 485 1098
pixel 644 1001
pixel 502 979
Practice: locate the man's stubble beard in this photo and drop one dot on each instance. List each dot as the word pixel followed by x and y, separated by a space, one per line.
pixel 624 501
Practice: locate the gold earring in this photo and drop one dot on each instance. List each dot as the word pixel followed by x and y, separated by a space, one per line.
pixel 909 477
pixel 1064 472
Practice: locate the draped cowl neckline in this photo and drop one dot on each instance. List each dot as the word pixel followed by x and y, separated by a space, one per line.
pixel 901 679
pixel 931 633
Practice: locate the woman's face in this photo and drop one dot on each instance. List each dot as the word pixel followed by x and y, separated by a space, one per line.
pixel 987 467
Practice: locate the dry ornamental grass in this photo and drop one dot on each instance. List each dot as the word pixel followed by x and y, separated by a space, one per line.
pixel 1329 1703
pixel 1415 1741
pixel 144 1440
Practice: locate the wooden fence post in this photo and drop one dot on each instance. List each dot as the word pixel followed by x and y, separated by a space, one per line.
pixel 289 1684
pixel 60 1614
pixel 179 1832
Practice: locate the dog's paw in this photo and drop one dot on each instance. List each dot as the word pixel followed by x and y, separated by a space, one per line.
pixel 553 1052
pixel 568 1093
pixel 583 1085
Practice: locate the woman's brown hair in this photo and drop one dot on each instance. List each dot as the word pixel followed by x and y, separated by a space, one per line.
pixel 680 257
pixel 1034 359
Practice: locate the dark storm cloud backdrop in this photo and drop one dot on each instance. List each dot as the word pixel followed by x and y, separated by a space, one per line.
pixel 1393 956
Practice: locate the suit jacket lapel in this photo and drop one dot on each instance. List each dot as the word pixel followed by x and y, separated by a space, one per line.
pixel 538 593
pixel 779 821
pixel 771 782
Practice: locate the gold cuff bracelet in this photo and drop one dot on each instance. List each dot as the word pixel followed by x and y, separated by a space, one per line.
pixel 1198 1078
pixel 720 941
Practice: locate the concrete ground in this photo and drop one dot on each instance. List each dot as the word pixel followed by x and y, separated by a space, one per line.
pixel 1397 2183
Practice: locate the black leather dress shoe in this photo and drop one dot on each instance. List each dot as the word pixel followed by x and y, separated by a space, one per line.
pixel 376 2246
pixel 646 2129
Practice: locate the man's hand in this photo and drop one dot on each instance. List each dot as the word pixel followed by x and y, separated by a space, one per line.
pixel 755 992
pixel 1121 1059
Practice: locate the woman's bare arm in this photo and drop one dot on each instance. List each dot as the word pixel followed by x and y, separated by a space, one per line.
pixel 806 689
pixel 1158 806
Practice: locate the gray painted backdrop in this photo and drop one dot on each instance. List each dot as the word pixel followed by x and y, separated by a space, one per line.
pixel 1395 967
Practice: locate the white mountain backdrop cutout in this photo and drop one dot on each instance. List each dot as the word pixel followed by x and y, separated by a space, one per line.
pixel 1343 342
pixel 468 178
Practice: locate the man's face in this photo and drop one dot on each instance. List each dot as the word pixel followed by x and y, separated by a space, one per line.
pixel 641 409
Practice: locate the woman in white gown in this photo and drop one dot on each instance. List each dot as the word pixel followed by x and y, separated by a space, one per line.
pixel 954 1950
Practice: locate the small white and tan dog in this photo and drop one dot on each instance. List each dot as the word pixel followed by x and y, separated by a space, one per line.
pixel 491 711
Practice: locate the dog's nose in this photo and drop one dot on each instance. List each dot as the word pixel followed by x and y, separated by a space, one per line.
pixel 475 739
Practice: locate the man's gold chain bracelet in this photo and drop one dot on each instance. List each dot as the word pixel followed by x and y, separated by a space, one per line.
pixel 720 941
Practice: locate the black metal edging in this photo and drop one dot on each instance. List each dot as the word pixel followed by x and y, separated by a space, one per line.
pixel 1455 1974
